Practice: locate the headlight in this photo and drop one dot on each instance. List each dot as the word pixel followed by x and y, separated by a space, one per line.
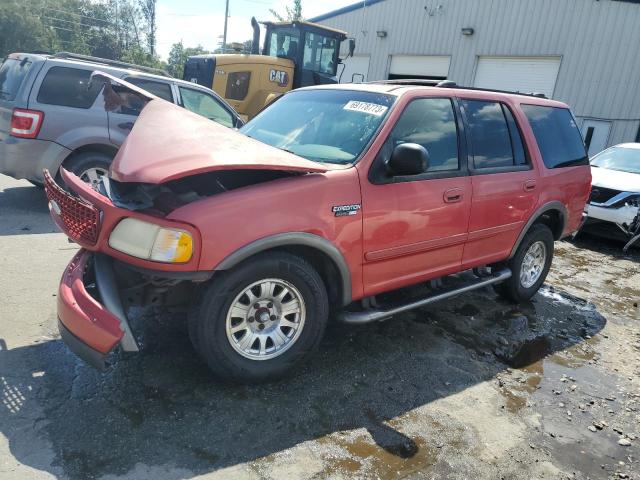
pixel 151 242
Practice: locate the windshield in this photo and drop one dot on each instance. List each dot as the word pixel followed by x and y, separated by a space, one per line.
pixel 332 126
pixel 619 158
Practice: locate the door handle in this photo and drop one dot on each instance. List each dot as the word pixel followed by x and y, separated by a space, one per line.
pixel 126 125
pixel 529 185
pixel 453 195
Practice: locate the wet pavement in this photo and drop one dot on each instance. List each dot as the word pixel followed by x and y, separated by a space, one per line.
pixel 474 387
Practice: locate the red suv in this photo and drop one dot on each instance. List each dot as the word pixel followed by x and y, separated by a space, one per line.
pixel 331 197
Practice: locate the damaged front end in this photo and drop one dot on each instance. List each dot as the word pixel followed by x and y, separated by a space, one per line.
pixel 135 248
pixel 120 265
pixel 162 199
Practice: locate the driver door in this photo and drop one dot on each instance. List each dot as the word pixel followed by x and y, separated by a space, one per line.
pixel 415 227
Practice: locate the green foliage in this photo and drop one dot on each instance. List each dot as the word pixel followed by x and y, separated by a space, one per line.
pixel 178 57
pixel 292 14
pixel 115 29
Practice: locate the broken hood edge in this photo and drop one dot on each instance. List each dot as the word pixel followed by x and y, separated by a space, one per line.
pixel 169 142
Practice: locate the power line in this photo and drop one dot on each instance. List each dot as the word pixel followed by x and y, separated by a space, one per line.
pixel 76 14
pixel 72 22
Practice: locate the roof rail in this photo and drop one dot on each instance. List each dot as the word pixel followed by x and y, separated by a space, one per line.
pixel 113 63
pixel 409 81
pixel 452 84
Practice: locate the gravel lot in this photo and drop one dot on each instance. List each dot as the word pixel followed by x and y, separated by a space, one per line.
pixel 473 387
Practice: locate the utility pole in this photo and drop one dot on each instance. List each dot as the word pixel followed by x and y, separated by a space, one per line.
pixel 224 36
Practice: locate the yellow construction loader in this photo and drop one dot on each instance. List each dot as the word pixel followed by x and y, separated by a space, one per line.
pixel 295 54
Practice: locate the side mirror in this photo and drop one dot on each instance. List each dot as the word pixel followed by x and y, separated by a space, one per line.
pixel 408 159
pixel 352 46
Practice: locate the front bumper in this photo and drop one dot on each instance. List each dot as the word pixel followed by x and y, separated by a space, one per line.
pixel 91 318
pixel 621 215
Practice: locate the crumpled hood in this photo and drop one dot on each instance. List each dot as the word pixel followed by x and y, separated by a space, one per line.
pixel 169 142
pixel 615 179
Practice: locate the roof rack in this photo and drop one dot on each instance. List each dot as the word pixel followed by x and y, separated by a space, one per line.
pixel 113 63
pixel 451 84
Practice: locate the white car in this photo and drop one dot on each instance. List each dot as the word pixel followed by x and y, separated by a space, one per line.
pixel 615 191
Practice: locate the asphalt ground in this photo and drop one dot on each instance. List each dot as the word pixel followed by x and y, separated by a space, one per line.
pixel 474 387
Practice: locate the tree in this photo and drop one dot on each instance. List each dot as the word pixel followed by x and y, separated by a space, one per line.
pixel 148 8
pixel 178 57
pixel 115 29
pixel 292 14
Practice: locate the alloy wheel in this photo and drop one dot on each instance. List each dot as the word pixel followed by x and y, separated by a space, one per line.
pixel 265 319
pixel 533 264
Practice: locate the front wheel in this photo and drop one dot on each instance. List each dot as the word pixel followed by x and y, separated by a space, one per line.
pixel 530 265
pixel 89 166
pixel 259 320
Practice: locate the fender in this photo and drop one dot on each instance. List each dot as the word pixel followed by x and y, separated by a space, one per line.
pixel 555 205
pixel 294 238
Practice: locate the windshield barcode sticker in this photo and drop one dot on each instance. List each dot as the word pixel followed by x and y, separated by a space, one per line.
pixel 364 107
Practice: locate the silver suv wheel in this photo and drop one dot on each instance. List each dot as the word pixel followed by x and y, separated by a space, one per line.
pixel 92 176
pixel 533 264
pixel 265 319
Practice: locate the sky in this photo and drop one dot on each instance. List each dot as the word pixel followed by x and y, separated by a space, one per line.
pixel 201 22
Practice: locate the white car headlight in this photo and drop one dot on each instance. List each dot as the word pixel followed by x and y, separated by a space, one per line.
pixel 151 242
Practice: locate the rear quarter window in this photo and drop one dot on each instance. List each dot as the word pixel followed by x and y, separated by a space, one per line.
pixel 68 87
pixel 557 135
pixel 12 73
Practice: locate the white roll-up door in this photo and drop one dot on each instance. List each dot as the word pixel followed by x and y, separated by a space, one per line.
pixel 521 74
pixel 356 69
pixel 429 66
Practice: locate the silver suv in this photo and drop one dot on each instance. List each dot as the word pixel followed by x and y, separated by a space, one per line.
pixel 51 115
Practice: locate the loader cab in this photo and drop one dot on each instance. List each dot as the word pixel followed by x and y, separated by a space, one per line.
pixel 313 49
pixel 295 54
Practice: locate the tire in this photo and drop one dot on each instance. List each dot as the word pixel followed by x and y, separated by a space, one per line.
pixel 88 166
pixel 522 286
pixel 232 356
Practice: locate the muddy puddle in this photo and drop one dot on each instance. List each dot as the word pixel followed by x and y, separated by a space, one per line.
pixel 362 457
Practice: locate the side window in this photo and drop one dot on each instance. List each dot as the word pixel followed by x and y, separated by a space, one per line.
pixel 431 123
pixel 318 53
pixel 519 155
pixel 68 87
pixel 557 136
pixel 284 43
pixel 159 89
pixel 205 105
pixel 237 85
pixel 490 137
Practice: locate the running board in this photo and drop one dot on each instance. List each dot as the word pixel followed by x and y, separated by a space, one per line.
pixel 382 314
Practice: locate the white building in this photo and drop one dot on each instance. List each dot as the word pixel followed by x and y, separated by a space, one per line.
pixel 583 52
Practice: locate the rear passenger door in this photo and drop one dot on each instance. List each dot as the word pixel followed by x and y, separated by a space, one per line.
pixel 504 183
pixel 121 121
pixel 415 227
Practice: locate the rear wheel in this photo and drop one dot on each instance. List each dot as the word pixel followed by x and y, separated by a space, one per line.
pixel 89 166
pixel 530 265
pixel 259 320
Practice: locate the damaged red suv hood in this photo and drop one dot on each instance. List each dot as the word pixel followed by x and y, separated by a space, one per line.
pixel 169 142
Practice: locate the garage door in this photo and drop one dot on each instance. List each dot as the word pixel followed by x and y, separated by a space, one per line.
pixel 521 74
pixel 356 69
pixel 419 66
